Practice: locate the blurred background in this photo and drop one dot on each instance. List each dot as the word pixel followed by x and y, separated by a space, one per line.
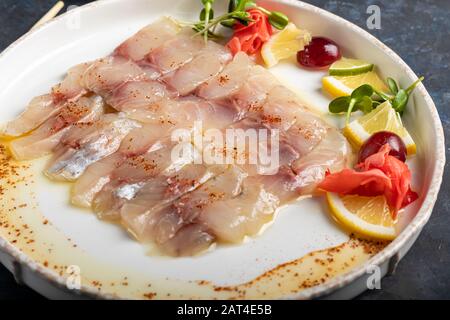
pixel 418 31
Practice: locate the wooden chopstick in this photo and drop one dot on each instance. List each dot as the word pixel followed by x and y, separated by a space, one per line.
pixel 53 12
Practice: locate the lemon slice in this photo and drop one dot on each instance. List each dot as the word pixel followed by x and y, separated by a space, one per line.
pixel 350 67
pixel 368 216
pixel 383 118
pixel 284 44
pixel 344 86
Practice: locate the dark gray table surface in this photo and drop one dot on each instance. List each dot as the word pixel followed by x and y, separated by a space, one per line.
pixel 418 30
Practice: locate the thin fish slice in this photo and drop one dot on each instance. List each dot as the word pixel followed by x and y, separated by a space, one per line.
pixel 87 143
pixel 134 95
pixel 37 112
pixel 176 52
pixel 160 192
pixel 147 39
pixel 46 106
pixel 162 226
pixel 106 74
pixel 71 87
pixel 331 154
pixel 231 220
pixel 229 81
pixel 43 140
pixel 131 175
pixel 254 92
pixel 98 174
pixel 204 66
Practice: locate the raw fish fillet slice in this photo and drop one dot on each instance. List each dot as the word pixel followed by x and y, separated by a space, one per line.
pixel 192 110
pixel 204 66
pixel 134 95
pixel 184 112
pixel 43 140
pixel 230 220
pixel 281 110
pixel 176 52
pixel 163 225
pixel 253 94
pixel 106 74
pixel 188 241
pixel 160 192
pixel 229 81
pixel 37 112
pixel 307 132
pixel 131 175
pixel 98 174
pixel 147 39
pixel 46 106
pixel 331 154
pixel 151 72
pixel 94 178
pixel 70 87
pixel 87 143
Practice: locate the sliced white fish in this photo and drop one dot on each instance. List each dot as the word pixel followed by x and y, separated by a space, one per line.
pixel 37 112
pixel 254 92
pixel 46 106
pixel 43 140
pixel 176 52
pixel 203 67
pixel 331 154
pixel 229 81
pixel 94 178
pixel 98 174
pixel 106 74
pixel 147 39
pixel 71 87
pixel 134 171
pixel 134 95
pixel 87 143
pixel 166 226
pixel 158 193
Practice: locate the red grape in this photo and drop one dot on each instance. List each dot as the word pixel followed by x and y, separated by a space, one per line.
pixel 379 139
pixel 320 53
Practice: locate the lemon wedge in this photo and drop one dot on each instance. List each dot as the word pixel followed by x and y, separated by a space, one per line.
pixel 367 216
pixel 383 118
pixel 284 44
pixel 339 86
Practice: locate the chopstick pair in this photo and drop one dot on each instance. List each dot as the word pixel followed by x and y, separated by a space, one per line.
pixel 53 12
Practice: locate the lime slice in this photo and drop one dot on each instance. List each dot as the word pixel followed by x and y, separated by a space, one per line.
pixel 350 67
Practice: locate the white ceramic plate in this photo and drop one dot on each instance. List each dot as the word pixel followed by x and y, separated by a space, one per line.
pixel 47 243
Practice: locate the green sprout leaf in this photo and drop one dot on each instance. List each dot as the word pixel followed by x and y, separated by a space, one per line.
pixel 203 15
pixel 278 20
pixel 339 105
pixel 365 104
pixel 400 101
pixel 392 85
pixel 232 5
pixel 360 92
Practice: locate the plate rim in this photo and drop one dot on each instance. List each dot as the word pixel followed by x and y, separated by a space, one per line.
pixel 413 228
